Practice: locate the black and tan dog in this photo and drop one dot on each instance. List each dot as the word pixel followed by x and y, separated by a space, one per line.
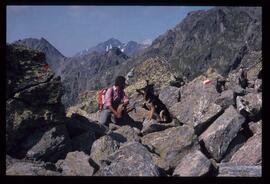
pixel 157 110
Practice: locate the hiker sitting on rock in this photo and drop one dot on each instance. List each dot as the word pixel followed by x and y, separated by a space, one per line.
pixel 114 108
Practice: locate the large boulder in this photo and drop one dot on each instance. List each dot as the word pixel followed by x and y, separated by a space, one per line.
pixel 196 106
pixel 103 147
pixel 250 105
pixel 125 133
pixel 250 153
pixel 78 124
pixel 152 125
pixel 232 170
pixel 172 144
pixel 226 99
pixel 29 168
pixel 204 116
pixel 256 127
pixel 83 142
pixel 234 146
pixel 49 144
pixel 33 104
pixel 132 159
pixel 193 164
pixel 170 95
pixel 219 135
pixel 75 164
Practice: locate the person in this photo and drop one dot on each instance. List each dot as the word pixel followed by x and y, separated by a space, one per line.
pixel 115 104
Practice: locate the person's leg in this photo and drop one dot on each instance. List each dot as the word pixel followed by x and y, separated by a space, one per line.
pixel 105 117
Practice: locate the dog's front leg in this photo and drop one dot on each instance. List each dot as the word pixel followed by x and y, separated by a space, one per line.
pixel 151 113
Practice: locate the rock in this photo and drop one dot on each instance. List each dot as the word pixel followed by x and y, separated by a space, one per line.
pixel 83 142
pixel 226 99
pixel 53 144
pixel 219 135
pixel 256 127
pixel 132 159
pixel 172 144
pixel 50 91
pixel 150 126
pixel 204 116
pixel 196 99
pixel 30 168
pixel 234 146
pixel 258 85
pixel 250 153
pixel 170 95
pixel 103 147
pixel 229 170
pixel 49 143
pixel 193 164
pixel 77 109
pixel 35 126
pixel 139 115
pixel 250 105
pixel 25 69
pixel 78 124
pixel 75 164
pixel 124 134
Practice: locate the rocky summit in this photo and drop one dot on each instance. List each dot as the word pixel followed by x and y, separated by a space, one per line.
pixel 216 127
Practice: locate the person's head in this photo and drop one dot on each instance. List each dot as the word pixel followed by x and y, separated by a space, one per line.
pixel 120 81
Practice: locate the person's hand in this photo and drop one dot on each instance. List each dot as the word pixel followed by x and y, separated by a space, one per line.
pixel 118 115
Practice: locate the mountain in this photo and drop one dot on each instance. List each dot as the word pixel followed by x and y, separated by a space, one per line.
pixel 91 71
pixel 53 57
pixel 218 38
pixel 129 48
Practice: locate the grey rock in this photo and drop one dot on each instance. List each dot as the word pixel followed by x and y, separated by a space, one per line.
pixel 255 127
pixel 197 99
pixel 125 134
pixel 132 159
pixel 226 99
pixel 103 147
pixel 170 95
pixel 204 116
pixel 30 168
pixel 193 164
pixel 47 145
pixel 231 170
pixel 234 146
pixel 172 144
pixel 250 105
pixel 258 85
pixel 83 142
pixel 75 164
pixel 219 135
pixel 150 126
pixel 250 153
pixel 77 124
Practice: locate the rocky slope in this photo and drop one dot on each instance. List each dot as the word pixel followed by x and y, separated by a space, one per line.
pixel 218 38
pixel 212 134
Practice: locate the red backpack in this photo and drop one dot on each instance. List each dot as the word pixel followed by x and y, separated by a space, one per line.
pixel 101 97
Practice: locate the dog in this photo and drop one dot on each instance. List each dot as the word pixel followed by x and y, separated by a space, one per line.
pixel 157 110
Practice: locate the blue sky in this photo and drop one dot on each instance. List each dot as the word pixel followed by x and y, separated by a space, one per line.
pixel 74 28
